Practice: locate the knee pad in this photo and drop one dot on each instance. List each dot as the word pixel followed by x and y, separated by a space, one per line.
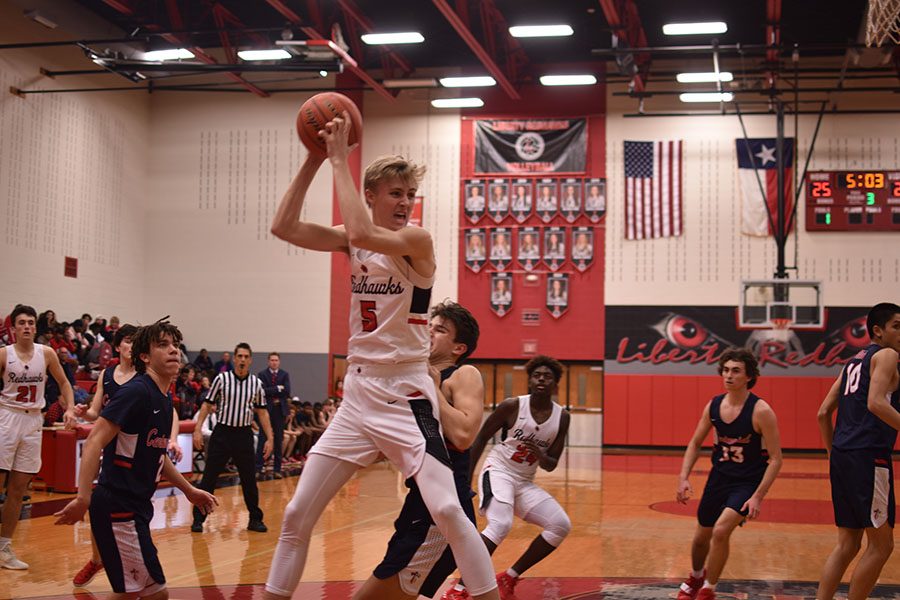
pixel 557 530
pixel 293 529
pixel 500 521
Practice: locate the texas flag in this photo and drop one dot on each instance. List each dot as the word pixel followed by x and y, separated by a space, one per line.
pixel 756 157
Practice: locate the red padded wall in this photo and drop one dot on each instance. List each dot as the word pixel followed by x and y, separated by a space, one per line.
pixel 663 410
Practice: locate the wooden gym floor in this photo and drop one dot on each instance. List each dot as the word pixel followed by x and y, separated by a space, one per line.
pixel 629 538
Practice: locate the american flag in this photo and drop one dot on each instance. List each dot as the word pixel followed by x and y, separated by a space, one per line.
pixel 653 189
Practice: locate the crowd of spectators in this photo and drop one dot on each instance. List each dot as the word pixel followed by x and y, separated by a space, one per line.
pixel 84 346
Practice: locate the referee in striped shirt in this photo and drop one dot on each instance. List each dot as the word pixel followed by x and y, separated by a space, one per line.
pixel 238 395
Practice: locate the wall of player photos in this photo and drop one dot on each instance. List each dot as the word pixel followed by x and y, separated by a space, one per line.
pixel 531 243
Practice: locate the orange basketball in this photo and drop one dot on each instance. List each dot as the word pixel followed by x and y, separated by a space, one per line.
pixel 320 109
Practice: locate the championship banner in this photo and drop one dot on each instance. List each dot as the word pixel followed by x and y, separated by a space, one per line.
pixel 529 251
pixel 501 293
pixel 582 247
pixel 474 202
pixel 501 248
pixel 521 199
pixel 570 202
pixel 554 247
pixel 547 203
pixel 557 294
pixel 531 146
pixel 476 252
pixel 595 199
pixel 498 199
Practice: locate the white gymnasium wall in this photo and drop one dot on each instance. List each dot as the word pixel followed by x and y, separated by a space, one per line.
pixel 412 128
pixel 219 165
pixel 705 265
pixel 72 182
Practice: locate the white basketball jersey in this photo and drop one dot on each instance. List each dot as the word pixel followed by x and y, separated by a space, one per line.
pixel 23 382
pixel 389 305
pixel 510 455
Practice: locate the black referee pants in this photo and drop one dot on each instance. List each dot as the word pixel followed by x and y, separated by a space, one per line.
pixel 235 443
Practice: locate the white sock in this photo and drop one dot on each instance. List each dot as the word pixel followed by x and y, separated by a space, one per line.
pixel 512 573
pixel 697 574
pixel 708 585
pixel 4 542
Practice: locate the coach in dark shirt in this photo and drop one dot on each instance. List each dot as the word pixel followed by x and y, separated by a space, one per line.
pixel 238 395
pixel 277 385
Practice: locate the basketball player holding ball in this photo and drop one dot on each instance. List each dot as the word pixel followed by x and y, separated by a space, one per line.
pixel 390 403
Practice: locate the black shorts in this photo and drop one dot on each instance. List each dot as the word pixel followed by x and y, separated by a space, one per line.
pixel 862 488
pixel 417 552
pixel 122 532
pixel 723 492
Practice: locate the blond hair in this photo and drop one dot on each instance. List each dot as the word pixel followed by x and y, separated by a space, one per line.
pixel 389 167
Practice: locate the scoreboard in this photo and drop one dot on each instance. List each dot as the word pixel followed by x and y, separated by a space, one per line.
pixel 853 201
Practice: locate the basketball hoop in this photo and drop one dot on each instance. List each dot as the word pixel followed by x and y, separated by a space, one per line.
pixel 882 22
pixel 781 324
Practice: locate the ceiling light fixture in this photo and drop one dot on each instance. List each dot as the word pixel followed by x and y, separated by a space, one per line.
pixel 273 54
pixel 523 31
pixel 404 37
pixel 457 102
pixel 171 54
pixel 421 82
pixel 568 80
pixel 37 17
pixel 711 27
pixel 479 81
pixel 706 97
pixel 703 77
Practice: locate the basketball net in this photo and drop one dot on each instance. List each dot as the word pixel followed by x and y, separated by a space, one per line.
pixel 781 324
pixel 883 22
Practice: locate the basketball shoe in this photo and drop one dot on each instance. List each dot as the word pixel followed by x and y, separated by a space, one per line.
pixel 87 573
pixel 455 594
pixel 506 585
pixel 691 587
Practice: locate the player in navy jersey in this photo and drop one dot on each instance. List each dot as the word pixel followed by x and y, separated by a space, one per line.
pixel 418 559
pixel 745 461
pixel 133 433
pixel 860 444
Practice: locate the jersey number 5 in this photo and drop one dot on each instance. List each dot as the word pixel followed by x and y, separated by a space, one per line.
pixel 369 318
pixel 523 455
pixel 27 393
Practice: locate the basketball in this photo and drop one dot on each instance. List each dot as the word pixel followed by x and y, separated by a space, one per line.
pixel 320 109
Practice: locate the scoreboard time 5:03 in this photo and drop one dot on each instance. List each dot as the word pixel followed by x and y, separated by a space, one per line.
pixel 853 201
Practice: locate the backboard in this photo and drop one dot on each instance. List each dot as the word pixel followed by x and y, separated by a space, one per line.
pixel 781 303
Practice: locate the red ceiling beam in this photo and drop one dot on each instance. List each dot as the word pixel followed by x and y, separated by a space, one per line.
pixel 178 25
pixel 202 56
pixel 486 60
pixel 175 16
pixel 312 34
pixel 352 11
pixel 230 54
pixel 623 18
pixel 123 6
